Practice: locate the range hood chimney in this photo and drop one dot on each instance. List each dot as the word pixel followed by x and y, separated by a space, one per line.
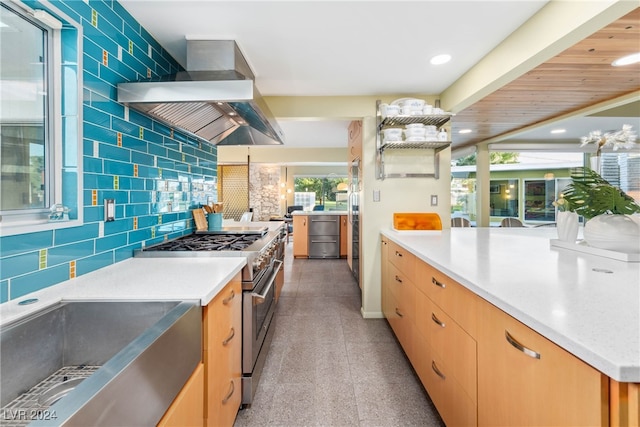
pixel 215 99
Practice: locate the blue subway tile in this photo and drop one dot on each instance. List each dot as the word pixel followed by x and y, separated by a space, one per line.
pixel 139 235
pixel 118 168
pixel 141 158
pixel 126 252
pixel 95 84
pixel 91 164
pixel 4 291
pixel 137 183
pixel 19 264
pixel 113 152
pixel 65 253
pixel 138 209
pixel 124 69
pixel 161 129
pixel 111 242
pixel 166 164
pixel 141 120
pixel 140 197
pixel 98 133
pixel 147 172
pixel 125 127
pixel 69 235
pixel 110 76
pixel 107 105
pixel 135 143
pixel 118 226
pixel 175 155
pixel 187 149
pixel 35 281
pixel 121 197
pixel 147 221
pixel 106 13
pixel 169 174
pixel 92 263
pixel 95 116
pixel 93 213
pixel 157 150
pixel 135 62
pixel 98 37
pixel 173 144
pixel 13 245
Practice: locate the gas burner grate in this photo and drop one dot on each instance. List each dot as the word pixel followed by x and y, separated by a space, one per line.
pixel 208 242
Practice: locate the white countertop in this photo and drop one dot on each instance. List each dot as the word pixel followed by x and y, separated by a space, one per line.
pixel 557 292
pixel 151 279
pixel 295 213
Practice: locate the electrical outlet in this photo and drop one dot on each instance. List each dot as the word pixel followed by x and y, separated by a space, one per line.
pixel 434 200
pixel 376 195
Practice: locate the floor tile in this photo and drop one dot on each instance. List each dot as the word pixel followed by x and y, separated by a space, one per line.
pixel 329 367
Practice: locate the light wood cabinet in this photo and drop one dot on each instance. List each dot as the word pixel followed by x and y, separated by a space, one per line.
pixel 354 142
pixel 343 235
pixel 525 379
pixel 222 329
pixel 624 404
pixel 300 236
pixel 187 408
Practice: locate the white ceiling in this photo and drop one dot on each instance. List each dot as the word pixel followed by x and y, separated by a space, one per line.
pixel 341 48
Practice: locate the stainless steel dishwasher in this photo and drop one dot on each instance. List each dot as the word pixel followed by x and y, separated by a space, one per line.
pixel 324 236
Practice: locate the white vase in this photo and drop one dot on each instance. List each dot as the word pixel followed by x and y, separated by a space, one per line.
pixel 567 226
pixel 613 232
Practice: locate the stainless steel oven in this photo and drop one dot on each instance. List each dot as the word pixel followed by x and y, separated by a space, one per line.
pixel 258 307
pixel 264 251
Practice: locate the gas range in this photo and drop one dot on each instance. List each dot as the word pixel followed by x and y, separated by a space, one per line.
pixel 259 247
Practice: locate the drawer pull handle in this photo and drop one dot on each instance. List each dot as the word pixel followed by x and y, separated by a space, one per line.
pixel 436 370
pixel 228 299
pixel 230 337
pixel 398 254
pixel 399 313
pixel 520 347
pixel 231 390
pixel 398 279
pixel 435 282
pixel 436 320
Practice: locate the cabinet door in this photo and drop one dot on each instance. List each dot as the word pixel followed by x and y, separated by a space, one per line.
pixel 526 380
pixel 343 236
pixel 355 139
pixel 223 355
pixel 188 407
pixel 300 236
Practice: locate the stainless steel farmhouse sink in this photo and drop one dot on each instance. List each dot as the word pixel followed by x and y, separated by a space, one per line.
pixel 98 363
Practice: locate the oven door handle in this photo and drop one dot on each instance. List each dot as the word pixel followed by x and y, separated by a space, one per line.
pixel 260 298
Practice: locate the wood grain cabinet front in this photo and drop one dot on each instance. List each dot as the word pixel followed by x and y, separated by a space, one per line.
pixel 300 236
pixel 223 355
pixel 526 380
pixel 187 408
pixel 343 235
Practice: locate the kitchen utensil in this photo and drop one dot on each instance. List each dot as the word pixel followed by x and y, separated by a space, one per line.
pixel 217 207
pixel 208 208
pixel 199 218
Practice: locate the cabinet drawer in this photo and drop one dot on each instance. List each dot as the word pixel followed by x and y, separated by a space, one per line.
pixel 221 314
pixel 404 260
pixel 458 302
pixel 452 402
pixel 520 372
pixel 449 343
pixel 403 290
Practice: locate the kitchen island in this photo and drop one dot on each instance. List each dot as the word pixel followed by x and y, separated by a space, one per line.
pixel 319 234
pixel 517 307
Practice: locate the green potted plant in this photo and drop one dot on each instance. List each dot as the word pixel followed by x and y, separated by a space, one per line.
pixel 607 210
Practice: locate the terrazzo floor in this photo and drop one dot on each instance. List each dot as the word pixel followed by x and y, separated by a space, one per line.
pixel 327 366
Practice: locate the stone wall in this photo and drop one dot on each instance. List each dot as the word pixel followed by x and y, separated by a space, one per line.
pixel 264 191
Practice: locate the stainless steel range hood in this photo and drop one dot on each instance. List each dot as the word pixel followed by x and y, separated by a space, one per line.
pixel 215 99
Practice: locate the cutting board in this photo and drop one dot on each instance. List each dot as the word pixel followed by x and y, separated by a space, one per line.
pixel 417 221
pixel 200 219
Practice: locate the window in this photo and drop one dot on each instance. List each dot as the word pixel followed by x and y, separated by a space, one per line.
pixel 36 127
pixel 25 114
pixel 503 198
pixel 329 192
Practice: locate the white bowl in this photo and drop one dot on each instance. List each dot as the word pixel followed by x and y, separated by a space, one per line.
pixel 392 134
pixel 414 132
pixel 415 126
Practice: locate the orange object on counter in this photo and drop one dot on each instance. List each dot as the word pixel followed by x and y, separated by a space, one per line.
pixel 417 221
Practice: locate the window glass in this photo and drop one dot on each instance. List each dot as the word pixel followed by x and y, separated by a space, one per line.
pixel 329 194
pixel 23 114
pixel 503 198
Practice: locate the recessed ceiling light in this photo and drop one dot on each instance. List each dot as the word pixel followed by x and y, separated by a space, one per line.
pixel 440 59
pixel 558 131
pixel 627 60
pixel 464 131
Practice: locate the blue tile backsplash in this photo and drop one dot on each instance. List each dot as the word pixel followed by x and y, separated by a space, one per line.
pixel 155 174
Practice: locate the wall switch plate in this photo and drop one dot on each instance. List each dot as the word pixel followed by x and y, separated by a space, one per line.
pixel 434 200
pixel 109 210
pixel 376 195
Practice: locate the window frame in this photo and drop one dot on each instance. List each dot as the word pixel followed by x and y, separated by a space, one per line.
pixel 32 220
